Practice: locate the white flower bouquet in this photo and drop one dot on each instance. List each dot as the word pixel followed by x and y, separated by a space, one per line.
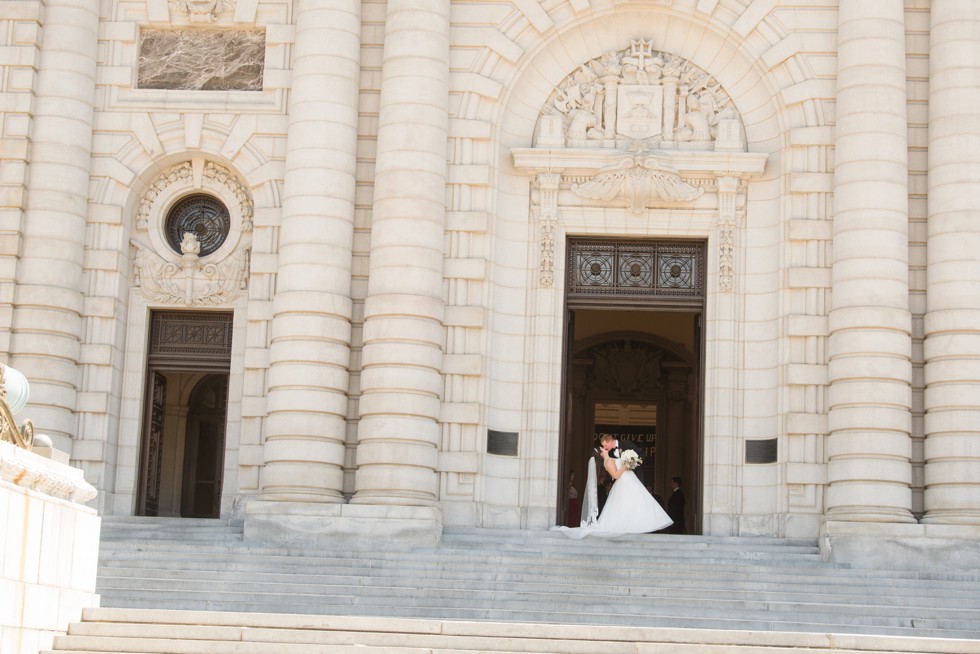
pixel 631 459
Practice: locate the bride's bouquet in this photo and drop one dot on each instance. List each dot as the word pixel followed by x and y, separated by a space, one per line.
pixel 631 459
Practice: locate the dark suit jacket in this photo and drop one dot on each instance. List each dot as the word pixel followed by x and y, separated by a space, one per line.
pixel 675 509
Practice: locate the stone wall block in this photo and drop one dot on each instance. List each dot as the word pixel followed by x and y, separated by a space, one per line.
pixel 422 380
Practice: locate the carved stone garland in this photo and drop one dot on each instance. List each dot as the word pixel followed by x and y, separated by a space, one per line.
pixel 188 281
pixel 184 173
pixel 645 127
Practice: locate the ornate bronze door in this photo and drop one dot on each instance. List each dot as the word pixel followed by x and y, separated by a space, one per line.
pixel 152 445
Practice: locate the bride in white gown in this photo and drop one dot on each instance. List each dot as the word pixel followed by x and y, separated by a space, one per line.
pixel 629 509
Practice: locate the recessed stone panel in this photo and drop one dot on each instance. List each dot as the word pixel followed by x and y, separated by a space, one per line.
pixel 202 60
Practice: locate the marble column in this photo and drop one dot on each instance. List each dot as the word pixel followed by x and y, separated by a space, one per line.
pixel 952 323
pixel 46 323
pixel 310 337
pixel 401 378
pixel 869 447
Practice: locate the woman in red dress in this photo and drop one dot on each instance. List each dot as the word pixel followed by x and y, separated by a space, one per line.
pixel 573 513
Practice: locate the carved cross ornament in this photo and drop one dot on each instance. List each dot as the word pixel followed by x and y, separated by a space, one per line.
pixel 639 128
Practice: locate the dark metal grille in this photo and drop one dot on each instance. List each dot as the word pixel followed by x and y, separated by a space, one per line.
pixel 626 269
pixel 203 216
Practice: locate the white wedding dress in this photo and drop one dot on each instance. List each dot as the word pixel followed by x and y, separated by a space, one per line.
pixel 629 509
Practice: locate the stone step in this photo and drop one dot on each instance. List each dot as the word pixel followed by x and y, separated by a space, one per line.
pixel 533 538
pixel 187 632
pixel 561 607
pixel 117 582
pixel 655 580
pixel 492 566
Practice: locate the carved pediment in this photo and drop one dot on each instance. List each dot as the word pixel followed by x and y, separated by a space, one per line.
pixel 640 94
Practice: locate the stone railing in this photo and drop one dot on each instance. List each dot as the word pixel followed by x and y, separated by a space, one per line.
pixel 49 560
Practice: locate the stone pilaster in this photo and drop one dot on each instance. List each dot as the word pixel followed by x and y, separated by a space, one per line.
pixel 310 339
pixel 952 323
pixel 869 447
pixel 401 379
pixel 47 323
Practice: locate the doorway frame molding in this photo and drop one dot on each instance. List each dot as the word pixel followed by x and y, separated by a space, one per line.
pixel 716 217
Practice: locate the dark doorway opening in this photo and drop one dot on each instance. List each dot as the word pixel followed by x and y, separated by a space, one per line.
pixel 183 440
pixel 633 363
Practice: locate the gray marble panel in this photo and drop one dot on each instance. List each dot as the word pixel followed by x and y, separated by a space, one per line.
pixel 202 60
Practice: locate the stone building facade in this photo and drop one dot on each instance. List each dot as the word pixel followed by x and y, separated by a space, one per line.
pixel 368 269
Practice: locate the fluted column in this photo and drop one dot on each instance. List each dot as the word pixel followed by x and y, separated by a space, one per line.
pixel 310 339
pixel 401 380
pixel 869 447
pixel 46 322
pixel 952 323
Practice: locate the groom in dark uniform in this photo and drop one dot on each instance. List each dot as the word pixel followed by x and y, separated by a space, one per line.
pixel 616 447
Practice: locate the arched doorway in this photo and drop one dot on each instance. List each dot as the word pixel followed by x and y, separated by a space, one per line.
pixel 633 361
pixel 204 447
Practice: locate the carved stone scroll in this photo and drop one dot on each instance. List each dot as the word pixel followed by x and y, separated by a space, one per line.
pixel 548 184
pixel 727 223
pixel 640 178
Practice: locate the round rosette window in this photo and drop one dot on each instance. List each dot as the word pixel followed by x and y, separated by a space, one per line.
pixel 202 215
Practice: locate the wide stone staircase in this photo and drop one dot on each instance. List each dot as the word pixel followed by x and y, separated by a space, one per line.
pixel 192 586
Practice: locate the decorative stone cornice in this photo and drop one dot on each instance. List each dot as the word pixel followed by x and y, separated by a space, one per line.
pixel 576 162
pixel 28 470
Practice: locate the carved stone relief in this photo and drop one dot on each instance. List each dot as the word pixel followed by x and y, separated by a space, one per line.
pixel 188 278
pixel 202 10
pixel 201 60
pixel 189 282
pixel 625 367
pixel 640 178
pixel 640 94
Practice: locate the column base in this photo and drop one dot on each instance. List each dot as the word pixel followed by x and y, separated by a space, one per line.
pixel 324 526
pixel 916 547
